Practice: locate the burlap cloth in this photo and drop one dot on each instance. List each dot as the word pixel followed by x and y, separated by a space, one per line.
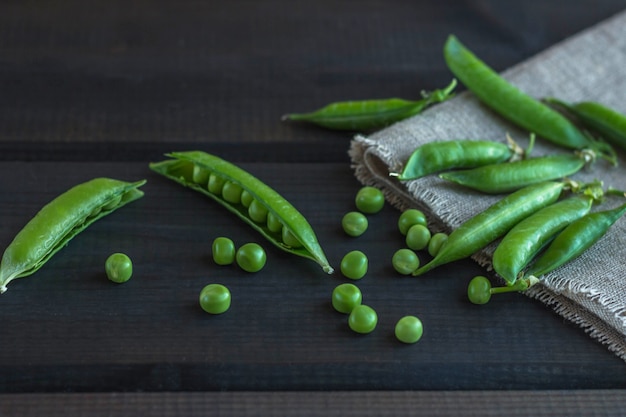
pixel 590 291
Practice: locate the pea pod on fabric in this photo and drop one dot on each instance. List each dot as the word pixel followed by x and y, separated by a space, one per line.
pixel 609 123
pixel 433 157
pixel 59 221
pixel 516 106
pixel 520 245
pixel 492 223
pixel 247 197
pixel 366 115
pixel 574 240
pixel 510 176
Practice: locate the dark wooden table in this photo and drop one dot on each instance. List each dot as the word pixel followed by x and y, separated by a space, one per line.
pixel 102 88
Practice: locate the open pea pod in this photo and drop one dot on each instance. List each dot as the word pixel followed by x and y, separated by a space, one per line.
pixel 249 198
pixel 59 221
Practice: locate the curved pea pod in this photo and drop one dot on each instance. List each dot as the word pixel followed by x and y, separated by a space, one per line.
pixel 574 240
pixel 609 123
pixel 370 114
pixel 528 237
pixel 433 157
pixel 492 223
pixel 254 202
pixel 516 106
pixel 59 221
pixel 510 176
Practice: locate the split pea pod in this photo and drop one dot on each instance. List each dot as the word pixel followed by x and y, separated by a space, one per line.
pixel 492 223
pixel 59 221
pixel 574 240
pixel 510 176
pixel 247 197
pixel 361 115
pixel 515 105
pixel 433 157
pixel 528 237
pixel 609 123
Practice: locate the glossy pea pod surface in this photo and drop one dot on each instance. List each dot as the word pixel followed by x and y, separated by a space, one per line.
pixel 493 222
pixel 511 176
pixel 253 201
pixel 609 123
pixel 433 157
pixel 574 240
pixel 59 221
pixel 515 105
pixel 528 237
pixel 370 114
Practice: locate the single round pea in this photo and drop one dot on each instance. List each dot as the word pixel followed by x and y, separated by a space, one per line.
pixel 289 239
pixel 405 261
pixel 118 267
pixel 354 265
pixel 273 223
pixel 436 242
pixel 257 211
pixel 246 198
pixel 223 250
pixel 369 200
pixel 363 319
pixel 200 175
pixel 409 329
pixel 354 223
pixel 409 218
pixel 215 298
pixel 251 257
pixel 417 237
pixel 216 183
pixel 346 297
pixel 479 290
pixel 231 192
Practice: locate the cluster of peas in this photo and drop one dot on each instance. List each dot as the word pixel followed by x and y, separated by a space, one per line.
pixel 347 297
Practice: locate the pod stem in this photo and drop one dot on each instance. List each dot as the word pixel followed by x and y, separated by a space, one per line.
pixel 521 284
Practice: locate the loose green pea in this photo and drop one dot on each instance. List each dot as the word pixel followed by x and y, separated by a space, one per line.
pixel 405 261
pixel 289 239
pixel 346 297
pixel 215 298
pixel 409 218
pixel 118 267
pixel 436 241
pixel 369 200
pixel 257 212
pixel 223 250
pixel 216 183
pixel 363 319
pixel 231 192
pixel 354 223
pixel 409 329
pixel 417 237
pixel 479 290
pixel 251 257
pixel 354 265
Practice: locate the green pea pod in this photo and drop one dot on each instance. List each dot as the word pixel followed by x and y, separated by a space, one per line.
pixel 510 176
pixel 515 105
pixel 59 221
pixel 493 222
pixel 609 123
pixel 211 176
pixel 574 240
pixel 370 114
pixel 433 157
pixel 529 236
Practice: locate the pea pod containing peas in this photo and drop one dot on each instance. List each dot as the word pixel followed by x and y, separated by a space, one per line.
pixel 515 105
pixel 246 196
pixel 61 220
pixel 363 115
